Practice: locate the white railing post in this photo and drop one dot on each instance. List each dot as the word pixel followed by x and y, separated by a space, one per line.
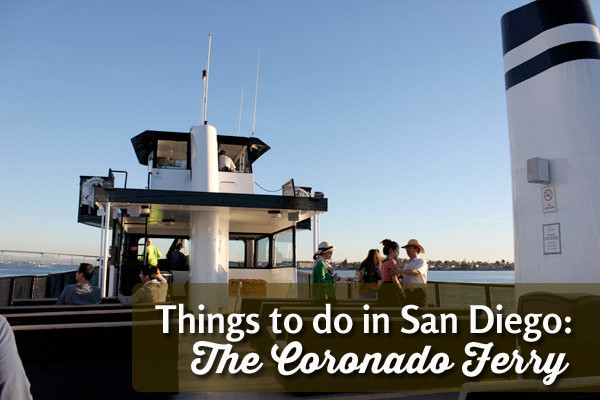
pixel 105 254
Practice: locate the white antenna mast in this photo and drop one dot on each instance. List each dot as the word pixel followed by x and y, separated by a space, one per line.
pixel 205 80
pixel 256 93
pixel 240 117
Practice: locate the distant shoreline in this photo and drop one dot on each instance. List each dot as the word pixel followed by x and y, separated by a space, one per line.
pixel 431 269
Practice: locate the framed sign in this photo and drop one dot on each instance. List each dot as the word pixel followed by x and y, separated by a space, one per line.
pixel 552 239
pixel 549 199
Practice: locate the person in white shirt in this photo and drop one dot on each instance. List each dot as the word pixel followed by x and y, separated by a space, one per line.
pixel 414 274
pixel 225 163
pixel 13 380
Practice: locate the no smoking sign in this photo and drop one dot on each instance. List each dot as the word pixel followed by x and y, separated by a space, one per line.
pixel 549 199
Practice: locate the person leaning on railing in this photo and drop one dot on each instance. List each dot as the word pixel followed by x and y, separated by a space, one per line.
pixel 369 275
pixel 414 274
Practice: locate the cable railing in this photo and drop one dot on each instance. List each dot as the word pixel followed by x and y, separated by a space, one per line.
pixel 43 257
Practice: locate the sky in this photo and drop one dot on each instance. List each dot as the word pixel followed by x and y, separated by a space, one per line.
pixel 394 109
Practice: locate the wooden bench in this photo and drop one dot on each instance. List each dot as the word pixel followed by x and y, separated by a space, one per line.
pixel 53 300
pixel 64 360
pixel 77 316
pixel 60 308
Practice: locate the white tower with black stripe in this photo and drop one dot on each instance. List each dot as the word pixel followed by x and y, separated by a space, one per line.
pixel 552 75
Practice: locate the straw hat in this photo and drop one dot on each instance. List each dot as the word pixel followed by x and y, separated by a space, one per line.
pixel 414 242
pixel 324 247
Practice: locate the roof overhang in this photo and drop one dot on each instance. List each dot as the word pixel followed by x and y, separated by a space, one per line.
pixel 171 211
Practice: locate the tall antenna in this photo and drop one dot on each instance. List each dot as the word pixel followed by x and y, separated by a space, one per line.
pixel 256 93
pixel 240 117
pixel 205 80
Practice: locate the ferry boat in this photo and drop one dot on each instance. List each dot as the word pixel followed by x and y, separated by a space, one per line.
pixel 233 233
pixel 552 73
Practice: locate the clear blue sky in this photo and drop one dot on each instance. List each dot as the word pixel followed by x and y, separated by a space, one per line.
pixel 394 109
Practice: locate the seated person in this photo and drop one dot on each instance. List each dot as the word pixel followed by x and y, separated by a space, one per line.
pixel 225 163
pixel 153 290
pixel 81 292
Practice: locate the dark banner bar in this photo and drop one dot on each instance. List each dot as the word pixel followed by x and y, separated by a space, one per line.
pixel 524 23
pixel 550 58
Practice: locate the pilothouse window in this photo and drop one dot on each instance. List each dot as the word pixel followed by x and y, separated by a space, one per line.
pixel 172 154
pixel 262 252
pixel 284 249
pixel 237 253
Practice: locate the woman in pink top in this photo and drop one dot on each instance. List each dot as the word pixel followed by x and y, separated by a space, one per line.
pixel 390 293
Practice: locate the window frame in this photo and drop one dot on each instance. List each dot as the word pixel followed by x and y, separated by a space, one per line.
pixel 293 232
pixel 271 252
pixel 245 242
pixel 189 153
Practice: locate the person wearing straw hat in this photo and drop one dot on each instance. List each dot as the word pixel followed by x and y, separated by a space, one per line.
pixel 322 278
pixel 414 274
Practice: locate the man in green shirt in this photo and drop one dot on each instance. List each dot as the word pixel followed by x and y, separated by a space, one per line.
pixel 152 254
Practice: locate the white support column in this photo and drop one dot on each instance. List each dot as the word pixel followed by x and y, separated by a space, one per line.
pixel 318 229
pixel 100 255
pixel 314 232
pixel 105 250
pixel 552 110
pixel 209 245
pixel 209 239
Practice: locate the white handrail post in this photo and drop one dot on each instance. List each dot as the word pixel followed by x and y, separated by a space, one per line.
pixel 105 253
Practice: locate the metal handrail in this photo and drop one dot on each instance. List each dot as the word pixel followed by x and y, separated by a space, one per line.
pixel 348 280
pixel 47 253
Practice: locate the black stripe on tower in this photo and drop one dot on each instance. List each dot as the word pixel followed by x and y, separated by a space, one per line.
pixel 550 58
pixel 524 23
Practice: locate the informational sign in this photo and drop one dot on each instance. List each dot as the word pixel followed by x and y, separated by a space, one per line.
pixel 247 287
pixel 549 199
pixel 552 239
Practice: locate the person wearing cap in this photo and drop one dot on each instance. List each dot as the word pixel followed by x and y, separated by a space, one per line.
pixel 322 278
pixel 414 274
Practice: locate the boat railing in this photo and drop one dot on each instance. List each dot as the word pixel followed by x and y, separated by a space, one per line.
pixel 43 257
pixel 439 294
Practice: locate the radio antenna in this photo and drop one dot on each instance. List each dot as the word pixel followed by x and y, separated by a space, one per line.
pixel 205 81
pixel 256 93
pixel 240 117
